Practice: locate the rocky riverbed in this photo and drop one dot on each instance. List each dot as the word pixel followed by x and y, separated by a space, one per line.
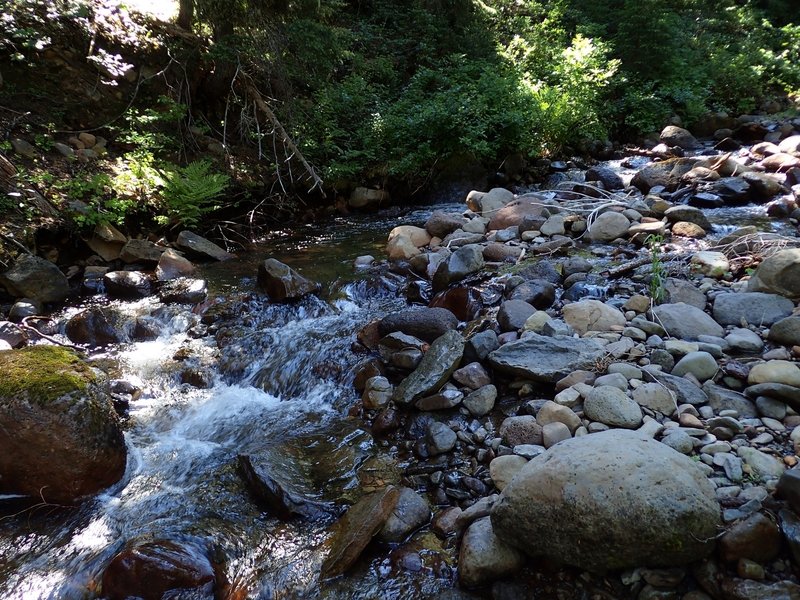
pixel 595 392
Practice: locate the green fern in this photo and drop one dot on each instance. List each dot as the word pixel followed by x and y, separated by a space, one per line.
pixel 190 192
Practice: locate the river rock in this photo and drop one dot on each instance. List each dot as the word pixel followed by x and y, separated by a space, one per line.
pixel 355 530
pixel 440 224
pixel 172 265
pixel 418 236
pixel 35 278
pixel 700 364
pixel 282 283
pixel 503 469
pixel 539 293
pixel 151 569
pixel 685 391
pixel 423 323
pixel 789 488
pixel 689 214
pixel 464 302
pixel 763 186
pixel 368 198
pixel 488 203
pixel 775 371
pixel 544 358
pixel 756 538
pixel 780 162
pixel 480 345
pixel 513 213
pixel 778 274
pixel 656 397
pixel 439 438
pixel 756 308
pixel 277 496
pixel 609 226
pixel 609 405
pixel 127 284
pixel 463 262
pixel 786 332
pixel 666 173
pixel 764 466
pixel 513 314
pixel 521 430
pixel 183 290
pixel 686 322
pixel 666 515
pixel 60 435
pixel 710 263
pixel 480 402
pixel 401 247
pixel 409 514
pixel 605 175
pixel 680 290
pixel 377 392
pixel 484 557
pixel 439 362
pixel 672 135
pixel 106 241
pixel 593 315
pixel 141 251
pixel 747 589
pixel 95 326
pixel 200 246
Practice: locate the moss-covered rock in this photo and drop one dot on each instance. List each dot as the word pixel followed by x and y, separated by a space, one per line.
pixel 60 436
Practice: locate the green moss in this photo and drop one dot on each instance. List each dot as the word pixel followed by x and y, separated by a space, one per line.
pixel 43 373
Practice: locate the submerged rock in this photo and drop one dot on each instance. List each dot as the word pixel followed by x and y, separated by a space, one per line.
pixel 60 436
pixel 151 569
pixel 610 500
pixel 282 283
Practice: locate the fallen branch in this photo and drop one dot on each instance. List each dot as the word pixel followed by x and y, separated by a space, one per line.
pixel 626 268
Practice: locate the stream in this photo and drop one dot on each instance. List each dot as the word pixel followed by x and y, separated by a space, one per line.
pixel 280 388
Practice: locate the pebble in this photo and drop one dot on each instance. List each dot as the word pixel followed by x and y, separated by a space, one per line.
pixel 528 451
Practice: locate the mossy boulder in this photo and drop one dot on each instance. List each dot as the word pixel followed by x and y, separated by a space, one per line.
pixel 60 436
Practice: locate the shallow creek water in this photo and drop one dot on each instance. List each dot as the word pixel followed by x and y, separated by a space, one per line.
pixel 286 400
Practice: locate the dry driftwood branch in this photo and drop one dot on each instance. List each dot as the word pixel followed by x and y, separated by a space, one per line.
pixel 253 93
pixel 626 268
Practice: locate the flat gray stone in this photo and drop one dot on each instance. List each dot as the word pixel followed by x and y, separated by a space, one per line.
pixel 544 358
pixel 755 308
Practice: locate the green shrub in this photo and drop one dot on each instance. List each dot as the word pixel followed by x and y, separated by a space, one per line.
pixel 190 192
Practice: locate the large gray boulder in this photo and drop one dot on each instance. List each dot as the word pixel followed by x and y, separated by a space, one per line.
pixel 672 135
pixel 282 283
pixel 686 322
pixel 778 274
pixel 756 308
pixel 439 362
pixel 545 358
pixel 35 278
pixel 611 500
pixel 609 226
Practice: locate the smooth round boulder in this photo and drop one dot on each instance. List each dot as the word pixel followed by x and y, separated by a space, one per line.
pixel 484 557
pixel 620 500
pixel 778 274
pixel 609 226
pixel 423 323
pixel 150 569
pixel 593 315
pixel 609 405
pixel 60 435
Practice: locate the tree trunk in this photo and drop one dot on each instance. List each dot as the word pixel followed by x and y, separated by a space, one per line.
pixel 186 14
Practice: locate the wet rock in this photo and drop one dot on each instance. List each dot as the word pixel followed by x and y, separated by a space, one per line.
pixel 277 496
pixel 352 533
pixel 756 538
pixel 747 589
pixel 593 315
pixel 552 412
pixel 184 291
pixel 200 246
pixel 472 375
pixel 172 265
pixel 35 278
pixel 608 177
pixel 439 438
pixel 409 514
pixel 12 335
pixel 464 302
pixel 513 314
pixel 463 262
pixel 790 528
pixel 763 186
pixel 480 402
pixel 789 488
pixel 667 515
pixel 480 345
pixel 609 226
pixel 447 397
pixel 95 326
pixel 423 323
pixel 127 284
pixel 377 393
pixel 778 274
pixel 732 190
pixel 141 251
pixel 437 365
pixel 686 322
pixel 610 405
pixel 756 308
pixel 484 557
pixel 544 358
pixel 152 569
pixel 282 283
pixel 60 436
pixel 666 173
